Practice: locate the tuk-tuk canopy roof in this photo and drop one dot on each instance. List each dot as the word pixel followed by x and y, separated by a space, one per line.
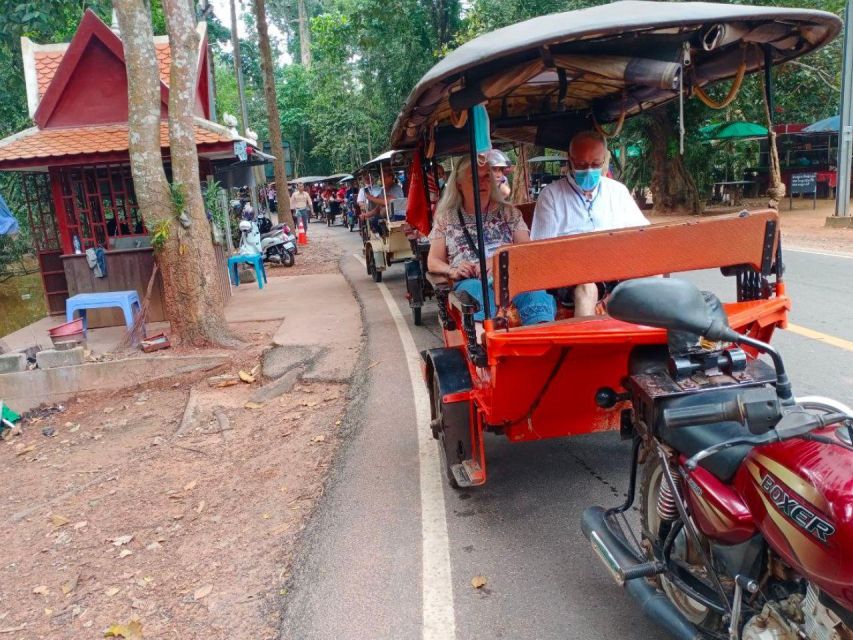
pixel 393 158
pixel 308 180
pixel 609 60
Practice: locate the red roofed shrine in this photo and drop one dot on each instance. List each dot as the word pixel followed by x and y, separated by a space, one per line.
pixel 75 160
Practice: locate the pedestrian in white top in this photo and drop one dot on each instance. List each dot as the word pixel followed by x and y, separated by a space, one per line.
pixel 585 200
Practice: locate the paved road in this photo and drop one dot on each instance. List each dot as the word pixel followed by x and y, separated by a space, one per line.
pixel 360 574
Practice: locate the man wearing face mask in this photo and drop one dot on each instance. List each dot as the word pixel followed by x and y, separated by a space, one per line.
pixel 585 200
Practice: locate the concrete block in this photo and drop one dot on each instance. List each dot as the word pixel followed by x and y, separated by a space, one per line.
pixel 13 362
pixel 839 222
pixel 53 358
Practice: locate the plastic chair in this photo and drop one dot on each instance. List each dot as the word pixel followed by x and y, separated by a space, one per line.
pixel 255 260
pixel 103 300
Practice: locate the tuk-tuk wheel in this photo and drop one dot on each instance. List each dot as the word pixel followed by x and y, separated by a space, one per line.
pixel 416 315
pixel 437 419
pixel 377 274
pixel 368 259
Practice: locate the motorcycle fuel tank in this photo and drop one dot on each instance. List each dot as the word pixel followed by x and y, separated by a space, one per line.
pixel 800 493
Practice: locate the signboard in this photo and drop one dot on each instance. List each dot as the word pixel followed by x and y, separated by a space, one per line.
pixel 240 150
pixel 288 163
pixel 803 183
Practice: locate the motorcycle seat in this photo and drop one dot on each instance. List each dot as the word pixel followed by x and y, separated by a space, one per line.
pixel 270 234
pixel 692 440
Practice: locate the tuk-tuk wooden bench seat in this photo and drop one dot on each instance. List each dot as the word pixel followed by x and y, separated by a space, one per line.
pixel 726 241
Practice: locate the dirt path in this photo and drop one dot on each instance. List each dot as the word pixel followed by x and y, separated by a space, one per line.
pixel 109 515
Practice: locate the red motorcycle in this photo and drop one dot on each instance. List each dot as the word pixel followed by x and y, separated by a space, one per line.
pixel 745 523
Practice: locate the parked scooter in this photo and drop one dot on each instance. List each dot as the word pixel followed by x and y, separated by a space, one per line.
pixel 272 246
pixel 745 515
pixel 266 228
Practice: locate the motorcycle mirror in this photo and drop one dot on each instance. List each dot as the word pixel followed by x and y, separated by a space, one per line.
pixel 668 303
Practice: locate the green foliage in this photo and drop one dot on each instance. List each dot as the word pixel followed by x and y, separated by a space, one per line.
pixel 213 203
pixel 160 233
pixel 178 193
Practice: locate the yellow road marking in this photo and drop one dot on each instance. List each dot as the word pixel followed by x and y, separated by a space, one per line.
pixel 841 343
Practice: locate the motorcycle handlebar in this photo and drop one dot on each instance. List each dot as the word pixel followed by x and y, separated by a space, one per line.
pixel 727 411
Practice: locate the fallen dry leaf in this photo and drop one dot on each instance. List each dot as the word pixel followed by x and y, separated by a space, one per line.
pixel 124 553
pixel 478 582
pixel 68 587
pixel 32 447
pixel 255 370
pixel 253 405
pixel 41 590
pixel 318 439
pixel 112 591
pixel 202 592
pixel 201 506
pixel 190 485
pixel 58 520
pixel 130 631
pixel 80 525
pixel 227 383
pixel 121 540
pixel 246 377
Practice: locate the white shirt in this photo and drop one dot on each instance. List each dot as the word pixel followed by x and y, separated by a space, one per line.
pixel 563 210
pixel 361 198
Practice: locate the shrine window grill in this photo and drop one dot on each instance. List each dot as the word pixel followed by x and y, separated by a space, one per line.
pixel 41 216
pixel 100 206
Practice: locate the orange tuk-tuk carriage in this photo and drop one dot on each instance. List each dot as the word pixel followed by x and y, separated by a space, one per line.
pixel 540 81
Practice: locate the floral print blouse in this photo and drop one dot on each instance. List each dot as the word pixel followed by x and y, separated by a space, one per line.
pixel 499 225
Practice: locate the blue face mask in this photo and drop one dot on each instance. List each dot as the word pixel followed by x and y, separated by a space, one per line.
pixel 588 179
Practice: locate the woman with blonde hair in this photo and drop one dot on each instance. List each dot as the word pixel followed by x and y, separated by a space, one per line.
pixel 453 248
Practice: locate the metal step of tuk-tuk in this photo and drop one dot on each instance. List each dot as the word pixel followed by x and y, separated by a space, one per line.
pixel 468 473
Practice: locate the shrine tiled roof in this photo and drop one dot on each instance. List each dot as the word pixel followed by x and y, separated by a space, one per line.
pixel 47 62
pixel 36 144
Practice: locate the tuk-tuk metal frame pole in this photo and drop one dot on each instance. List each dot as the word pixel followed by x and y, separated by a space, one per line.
pixel 845 127
pixel 478 214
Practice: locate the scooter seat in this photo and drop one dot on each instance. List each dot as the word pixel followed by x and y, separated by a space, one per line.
pixel 270 234
pixel 692 440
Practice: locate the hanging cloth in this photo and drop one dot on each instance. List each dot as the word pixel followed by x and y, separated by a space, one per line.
pixel 8 223
pixel 482 137
pixel 417 207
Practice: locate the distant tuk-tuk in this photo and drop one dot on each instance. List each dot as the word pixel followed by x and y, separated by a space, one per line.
pixel 384 236
pixel 541 81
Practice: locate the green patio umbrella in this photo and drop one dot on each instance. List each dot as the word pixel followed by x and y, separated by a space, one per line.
pixel 733 131
pixel 632 151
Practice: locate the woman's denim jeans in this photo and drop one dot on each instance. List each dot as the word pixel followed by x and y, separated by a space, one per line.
pixel 533 306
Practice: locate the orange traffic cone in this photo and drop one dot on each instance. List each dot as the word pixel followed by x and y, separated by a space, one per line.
pixel 302 237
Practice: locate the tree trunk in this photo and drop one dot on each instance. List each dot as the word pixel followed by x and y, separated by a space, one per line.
pixel 521 175
pixel 776 188
pixel 238 71
pixel 276 147
pixel 146 163
pixel 673 188
pixel 189 260
pixel 304 35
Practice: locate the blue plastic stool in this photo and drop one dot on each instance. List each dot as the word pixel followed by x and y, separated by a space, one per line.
pixel 254 260
pixel 103 300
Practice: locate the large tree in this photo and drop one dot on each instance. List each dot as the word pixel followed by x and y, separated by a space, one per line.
pixel 276 146
pixel 174 213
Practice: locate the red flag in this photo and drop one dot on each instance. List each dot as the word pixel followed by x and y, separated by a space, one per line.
pixel 417 207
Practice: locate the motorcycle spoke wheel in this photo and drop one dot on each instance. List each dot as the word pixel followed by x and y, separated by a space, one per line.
pixel 698 614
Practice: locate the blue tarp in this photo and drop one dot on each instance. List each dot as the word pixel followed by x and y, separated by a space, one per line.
pixel 827 125
pixel 8 224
